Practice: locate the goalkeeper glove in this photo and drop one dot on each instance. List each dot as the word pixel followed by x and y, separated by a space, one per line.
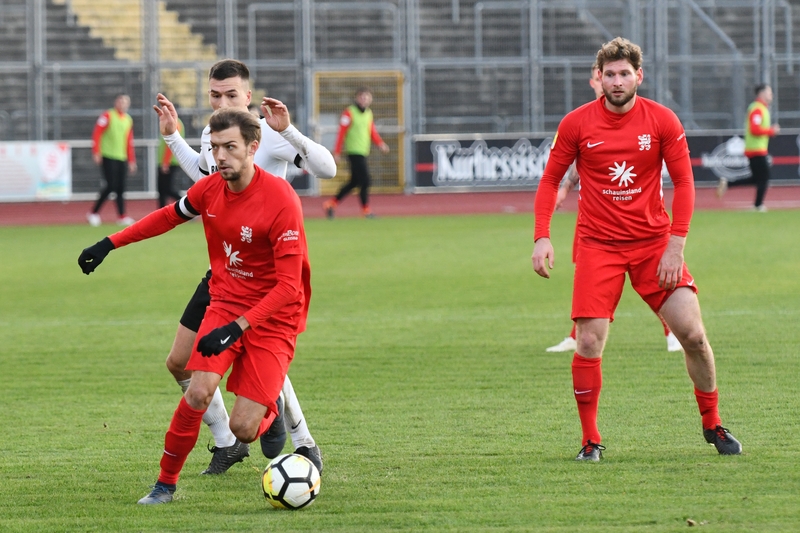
pixel 92 256
pixel 219 339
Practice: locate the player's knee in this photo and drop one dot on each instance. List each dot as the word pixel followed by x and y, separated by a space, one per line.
pixel 589 344
pixel 244 430
pixel 177 366
pixel 695 341
pixel 199 397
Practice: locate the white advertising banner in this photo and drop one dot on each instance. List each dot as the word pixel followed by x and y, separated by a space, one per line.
pixel 35 171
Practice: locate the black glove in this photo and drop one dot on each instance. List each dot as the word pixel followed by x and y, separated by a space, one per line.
pixel 92 256
pixel 219 339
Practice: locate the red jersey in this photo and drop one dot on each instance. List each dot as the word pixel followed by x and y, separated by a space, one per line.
pixel 619 159
pixel 246 233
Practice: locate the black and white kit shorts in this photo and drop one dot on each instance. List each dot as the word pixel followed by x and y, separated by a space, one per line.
pixel 196 308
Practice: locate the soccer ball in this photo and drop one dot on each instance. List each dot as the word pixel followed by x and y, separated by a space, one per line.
pixel 290 481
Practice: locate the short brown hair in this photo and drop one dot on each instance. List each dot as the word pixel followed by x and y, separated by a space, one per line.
pixel 229 68
pixel 230 117
pixel 619 48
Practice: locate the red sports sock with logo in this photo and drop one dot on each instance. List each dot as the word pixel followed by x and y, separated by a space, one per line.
pixel 573 333
pixel 708 402
pixel 587 379
pixel 179 441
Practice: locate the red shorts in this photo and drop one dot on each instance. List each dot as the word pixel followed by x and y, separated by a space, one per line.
pixel 260 359
pixel 600 277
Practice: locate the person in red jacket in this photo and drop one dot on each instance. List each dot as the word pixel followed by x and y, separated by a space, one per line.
pixel 112 149
pixel 619 143
pixel 757 132
pixel 356 134
pixel 260 289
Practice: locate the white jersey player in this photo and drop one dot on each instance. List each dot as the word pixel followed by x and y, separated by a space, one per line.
pixel 281 145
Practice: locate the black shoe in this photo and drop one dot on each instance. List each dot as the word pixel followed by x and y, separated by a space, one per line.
pixel 721 438
pixel 160 494
pixel 591 452
pixel 273 439
pixel 312 454
pixel 226 457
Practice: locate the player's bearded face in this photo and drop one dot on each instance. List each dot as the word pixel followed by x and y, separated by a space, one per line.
pixel 230 152
pixel 620 82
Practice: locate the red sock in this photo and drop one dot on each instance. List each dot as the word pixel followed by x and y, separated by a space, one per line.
pixel 708 402
pixel 179 441
pixel 266 422
pixel 664 323
pixel 587 379
pixel 574 329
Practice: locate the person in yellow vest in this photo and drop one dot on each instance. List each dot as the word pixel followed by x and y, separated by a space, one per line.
pixel 167 166
pixel 356 134
pixel 757 131
pixel 112 148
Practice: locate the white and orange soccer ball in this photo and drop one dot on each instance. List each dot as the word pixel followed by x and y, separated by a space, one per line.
pixel 290 481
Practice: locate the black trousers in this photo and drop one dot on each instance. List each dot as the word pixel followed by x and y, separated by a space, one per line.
pixel 759 168
pixel 359 177
pixel 166 186
pixel 115 173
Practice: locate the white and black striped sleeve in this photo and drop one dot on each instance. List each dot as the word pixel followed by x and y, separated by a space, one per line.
pixel 185 209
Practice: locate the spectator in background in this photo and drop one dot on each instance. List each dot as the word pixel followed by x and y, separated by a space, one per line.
pixel 112 148
pixel 757 131
pixel 168 164
pixel 356 134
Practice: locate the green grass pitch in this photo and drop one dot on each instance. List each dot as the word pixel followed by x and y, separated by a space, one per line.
pixel 424 379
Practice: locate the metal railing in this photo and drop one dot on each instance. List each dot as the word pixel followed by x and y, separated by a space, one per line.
pixel 705 76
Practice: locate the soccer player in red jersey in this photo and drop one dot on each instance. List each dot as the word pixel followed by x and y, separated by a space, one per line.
pixel 619 143
pixel 260 289
pixel 569 344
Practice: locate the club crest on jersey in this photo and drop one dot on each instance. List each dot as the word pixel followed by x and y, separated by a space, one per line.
pixel 644 142
pixel 622 173
pixel 233 257
pixel 247 234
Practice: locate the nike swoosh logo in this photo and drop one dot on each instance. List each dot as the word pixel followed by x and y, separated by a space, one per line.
pixel 681 137
pixel 223 341
pixel 210 215
pixel 297 425
pixel 592 145
pixel 582 391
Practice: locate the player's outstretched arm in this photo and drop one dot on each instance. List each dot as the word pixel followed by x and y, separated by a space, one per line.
pixel 154 224
pixel 316 159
